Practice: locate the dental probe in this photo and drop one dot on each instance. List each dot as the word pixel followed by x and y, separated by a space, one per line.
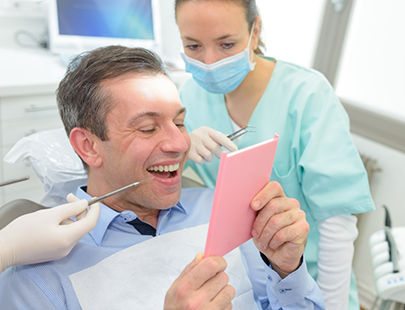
pixel 14 181
pixel 117 191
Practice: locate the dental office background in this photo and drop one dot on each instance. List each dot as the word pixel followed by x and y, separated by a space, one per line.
pixel 358 44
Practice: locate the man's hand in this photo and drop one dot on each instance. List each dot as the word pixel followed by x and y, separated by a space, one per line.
pixel 280 230
pixel 203 284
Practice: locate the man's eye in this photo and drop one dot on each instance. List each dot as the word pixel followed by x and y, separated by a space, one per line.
pixel 180 125
pixel 151 130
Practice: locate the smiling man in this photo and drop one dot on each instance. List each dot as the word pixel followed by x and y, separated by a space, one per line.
pixel 124 118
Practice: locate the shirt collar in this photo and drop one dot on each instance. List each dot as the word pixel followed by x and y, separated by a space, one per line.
pixel 107 215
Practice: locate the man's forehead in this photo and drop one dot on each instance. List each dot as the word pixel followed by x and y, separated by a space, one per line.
pixel 150 94
pixel 134 77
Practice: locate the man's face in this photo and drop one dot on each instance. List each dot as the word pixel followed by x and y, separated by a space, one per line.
pixel 146 135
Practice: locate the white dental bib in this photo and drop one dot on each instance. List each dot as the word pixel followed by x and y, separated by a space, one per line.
pixel 140 276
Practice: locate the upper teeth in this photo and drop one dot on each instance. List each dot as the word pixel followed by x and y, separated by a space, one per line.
pixel 169 168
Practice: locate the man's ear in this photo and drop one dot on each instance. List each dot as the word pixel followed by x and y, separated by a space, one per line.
pixel 86 146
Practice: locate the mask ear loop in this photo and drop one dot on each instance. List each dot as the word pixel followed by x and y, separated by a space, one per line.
pixel 250 39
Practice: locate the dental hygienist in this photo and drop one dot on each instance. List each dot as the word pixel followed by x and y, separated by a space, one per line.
pixel 46 234
pixel 317 163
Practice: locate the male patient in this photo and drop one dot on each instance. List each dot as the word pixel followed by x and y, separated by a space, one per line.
pixel 125 120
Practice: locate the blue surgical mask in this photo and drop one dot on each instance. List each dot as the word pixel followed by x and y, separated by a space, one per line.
pixel 223 76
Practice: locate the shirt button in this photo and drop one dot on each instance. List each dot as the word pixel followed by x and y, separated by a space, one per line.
pixel 282 291
pixel 270 278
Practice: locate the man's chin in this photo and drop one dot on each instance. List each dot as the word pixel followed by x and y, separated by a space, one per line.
pixel 167 201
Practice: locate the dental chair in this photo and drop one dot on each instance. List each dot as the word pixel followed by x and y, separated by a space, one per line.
pixel 57 166
pixel 387 249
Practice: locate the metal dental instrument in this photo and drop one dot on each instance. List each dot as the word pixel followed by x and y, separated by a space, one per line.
pixel 240 132
pixel 117 191
pixel 14 181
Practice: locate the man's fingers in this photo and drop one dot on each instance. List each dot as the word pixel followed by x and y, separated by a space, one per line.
pixel 281 228
pixel 223 300
pixel 213 286
pixel 208 268
pixel 294 234
pixel 269 211
pixel 270 191
pixel 187 269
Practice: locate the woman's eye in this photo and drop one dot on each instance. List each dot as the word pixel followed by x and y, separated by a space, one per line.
pixel 227 45
pixel 192 47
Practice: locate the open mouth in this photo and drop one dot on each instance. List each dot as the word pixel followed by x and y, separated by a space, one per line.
pixel 164 171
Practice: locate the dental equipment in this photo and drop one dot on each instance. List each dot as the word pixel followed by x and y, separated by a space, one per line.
pixel 14 181
pixel 387 250
pixel 117 191
pixel 240 132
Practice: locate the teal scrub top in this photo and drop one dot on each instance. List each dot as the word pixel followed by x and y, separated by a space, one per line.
pixel 316 161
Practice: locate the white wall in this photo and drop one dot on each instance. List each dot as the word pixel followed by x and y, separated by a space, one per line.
pixel 372 67
pixel 170 34
pixel 387 188
pixel 32 16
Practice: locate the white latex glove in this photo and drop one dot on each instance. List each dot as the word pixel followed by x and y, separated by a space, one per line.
pixel 205 141
pixel 46 234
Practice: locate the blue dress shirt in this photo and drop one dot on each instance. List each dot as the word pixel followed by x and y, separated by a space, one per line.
pixel 47 285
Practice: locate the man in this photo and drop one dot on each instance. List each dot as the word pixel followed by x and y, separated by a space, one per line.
pixel 125 120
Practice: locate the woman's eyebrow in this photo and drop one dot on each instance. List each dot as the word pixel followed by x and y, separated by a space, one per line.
pixel 226 36
pixel 217 39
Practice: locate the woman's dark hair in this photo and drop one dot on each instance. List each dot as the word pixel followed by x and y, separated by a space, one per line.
pixel 251 13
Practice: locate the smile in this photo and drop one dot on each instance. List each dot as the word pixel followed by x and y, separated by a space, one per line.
pixel 164 171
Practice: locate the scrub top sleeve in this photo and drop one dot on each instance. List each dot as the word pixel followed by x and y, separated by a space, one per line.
pixel 334 180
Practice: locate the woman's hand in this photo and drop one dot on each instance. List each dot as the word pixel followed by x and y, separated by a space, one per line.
pixel 46 234
pixel 205 141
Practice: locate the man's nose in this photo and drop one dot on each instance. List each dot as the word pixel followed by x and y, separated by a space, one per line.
pixel 175 140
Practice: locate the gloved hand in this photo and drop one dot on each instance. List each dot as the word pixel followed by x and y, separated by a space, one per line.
pixel 46 234
pixel 205 141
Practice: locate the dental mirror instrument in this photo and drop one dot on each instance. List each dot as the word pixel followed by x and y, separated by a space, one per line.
pixel 117 191
pixel 240 132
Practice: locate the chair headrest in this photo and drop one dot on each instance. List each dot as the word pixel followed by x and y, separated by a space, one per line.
pixel 54 161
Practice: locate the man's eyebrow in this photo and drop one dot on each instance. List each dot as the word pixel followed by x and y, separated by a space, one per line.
pixel 141 115
pixel 181 111
pixel 152 114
